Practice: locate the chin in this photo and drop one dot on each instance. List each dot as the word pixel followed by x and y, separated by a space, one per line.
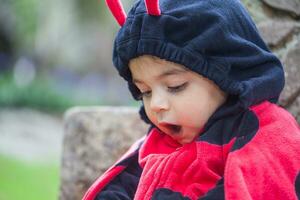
pixel 184 141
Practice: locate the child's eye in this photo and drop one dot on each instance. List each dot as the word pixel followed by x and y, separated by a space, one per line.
pixel 178 88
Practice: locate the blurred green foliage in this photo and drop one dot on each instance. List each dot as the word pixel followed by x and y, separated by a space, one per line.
pixel 29 181
pixel 26 18
pixel 38 94
pixel 91 11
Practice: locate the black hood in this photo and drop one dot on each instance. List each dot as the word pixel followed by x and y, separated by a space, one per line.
pixel 215 38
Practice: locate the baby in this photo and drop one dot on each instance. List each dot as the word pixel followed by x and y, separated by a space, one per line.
pixel 171 95
pixel 209 87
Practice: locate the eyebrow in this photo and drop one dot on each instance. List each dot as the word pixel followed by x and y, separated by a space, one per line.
pixel 164 74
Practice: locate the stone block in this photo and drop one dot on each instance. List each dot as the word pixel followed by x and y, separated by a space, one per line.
pixel 95 137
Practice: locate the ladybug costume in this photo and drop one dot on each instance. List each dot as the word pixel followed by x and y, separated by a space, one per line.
pixel 249 148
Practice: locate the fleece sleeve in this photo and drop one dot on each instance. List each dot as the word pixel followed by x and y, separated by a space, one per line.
pixel 124 185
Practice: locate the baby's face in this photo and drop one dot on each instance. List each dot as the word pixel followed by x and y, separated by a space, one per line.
pixel 178 101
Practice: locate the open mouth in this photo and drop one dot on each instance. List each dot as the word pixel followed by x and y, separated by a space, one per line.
pixel 172 128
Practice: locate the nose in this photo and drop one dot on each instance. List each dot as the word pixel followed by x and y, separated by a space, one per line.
pixel 159 102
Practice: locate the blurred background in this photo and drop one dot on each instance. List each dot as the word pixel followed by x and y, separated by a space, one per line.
pixel 53 55
pixel 57 54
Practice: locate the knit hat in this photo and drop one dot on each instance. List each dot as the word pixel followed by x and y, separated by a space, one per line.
pixel 215 38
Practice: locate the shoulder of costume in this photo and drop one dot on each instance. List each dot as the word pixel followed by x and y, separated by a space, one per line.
pixel 267 161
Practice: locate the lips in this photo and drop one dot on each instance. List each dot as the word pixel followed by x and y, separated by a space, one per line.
pixel 173 129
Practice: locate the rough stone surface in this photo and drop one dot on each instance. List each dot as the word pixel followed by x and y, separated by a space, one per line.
pixel 275 33
pixel 295 109
pixel 256 9
pixel 291 6
pixel 292 76
pixel 94 139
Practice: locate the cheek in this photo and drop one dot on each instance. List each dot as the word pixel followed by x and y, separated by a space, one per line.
pixel 193 111
pixel 190 114
pixel 149 114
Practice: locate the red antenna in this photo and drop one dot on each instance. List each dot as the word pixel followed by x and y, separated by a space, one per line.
pixel 152 7
pixel 117 10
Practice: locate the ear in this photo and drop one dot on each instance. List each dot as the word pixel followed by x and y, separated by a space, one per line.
pixel 118 12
